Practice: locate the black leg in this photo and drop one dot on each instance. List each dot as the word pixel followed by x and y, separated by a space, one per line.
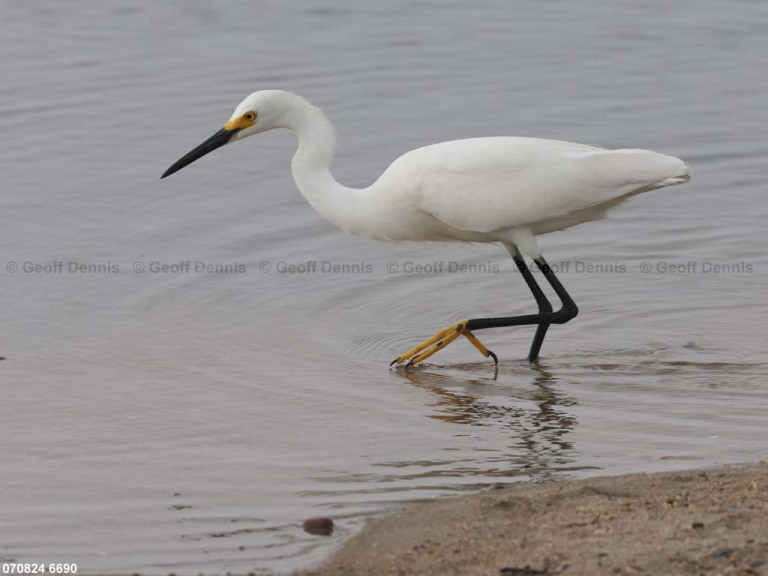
pixel 541 299
pixel 569 310
pixel 545 317
pixel 544 306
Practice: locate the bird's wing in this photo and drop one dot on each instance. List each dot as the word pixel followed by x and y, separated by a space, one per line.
pixel 490 184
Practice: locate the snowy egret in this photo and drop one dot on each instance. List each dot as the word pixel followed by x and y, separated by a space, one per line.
pixel 504 190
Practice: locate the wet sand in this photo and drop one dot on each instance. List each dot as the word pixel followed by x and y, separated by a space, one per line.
pixel 696 522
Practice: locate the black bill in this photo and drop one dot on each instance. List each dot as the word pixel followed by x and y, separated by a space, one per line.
pixel 216 141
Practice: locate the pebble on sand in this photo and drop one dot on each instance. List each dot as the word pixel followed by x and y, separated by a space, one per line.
pixel 320 526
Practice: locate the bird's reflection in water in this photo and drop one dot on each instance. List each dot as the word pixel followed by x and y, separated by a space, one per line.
pixel 522 401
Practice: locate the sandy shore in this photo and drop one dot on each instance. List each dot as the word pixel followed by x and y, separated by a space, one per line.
pixel 698 522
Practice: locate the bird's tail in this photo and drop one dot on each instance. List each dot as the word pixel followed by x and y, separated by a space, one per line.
pixel 643 170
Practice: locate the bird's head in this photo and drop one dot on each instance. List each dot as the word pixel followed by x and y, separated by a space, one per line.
pixel 259 112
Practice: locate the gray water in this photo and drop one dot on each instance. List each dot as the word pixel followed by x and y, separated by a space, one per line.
pixel 189 421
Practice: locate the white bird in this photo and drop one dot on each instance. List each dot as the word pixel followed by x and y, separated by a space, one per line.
pixel 503 190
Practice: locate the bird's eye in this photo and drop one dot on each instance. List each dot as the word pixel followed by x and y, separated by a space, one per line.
pixel 250 116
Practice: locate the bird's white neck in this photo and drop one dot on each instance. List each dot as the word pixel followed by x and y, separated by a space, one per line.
pixel 311 166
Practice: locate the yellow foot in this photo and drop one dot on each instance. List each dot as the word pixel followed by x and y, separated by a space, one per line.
pixel 439 341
